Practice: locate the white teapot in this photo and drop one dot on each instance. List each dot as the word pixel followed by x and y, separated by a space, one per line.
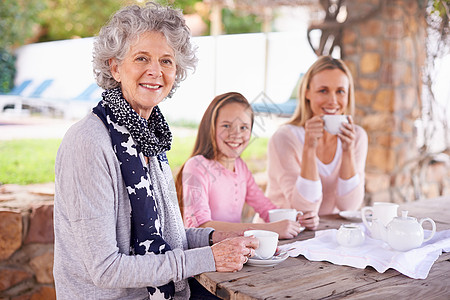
pixel 405 233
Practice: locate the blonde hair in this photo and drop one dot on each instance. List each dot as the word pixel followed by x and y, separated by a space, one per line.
pixel 303 110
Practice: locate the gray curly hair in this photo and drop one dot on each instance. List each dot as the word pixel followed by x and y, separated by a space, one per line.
pixel 114 40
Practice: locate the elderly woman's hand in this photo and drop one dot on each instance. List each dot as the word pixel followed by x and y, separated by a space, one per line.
pixel 219 236
pixel 231 254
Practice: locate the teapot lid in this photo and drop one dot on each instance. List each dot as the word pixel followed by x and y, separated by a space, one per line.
pixel 405 217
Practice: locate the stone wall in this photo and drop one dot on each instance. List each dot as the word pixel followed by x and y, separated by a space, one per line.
pixel 385 53
pixel 26 242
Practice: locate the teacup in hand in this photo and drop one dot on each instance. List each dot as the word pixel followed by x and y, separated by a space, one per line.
pixel 333 123
pixel 279 214
pixel 268 242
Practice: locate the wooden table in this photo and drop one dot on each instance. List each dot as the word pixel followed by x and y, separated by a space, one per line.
pixel 299 278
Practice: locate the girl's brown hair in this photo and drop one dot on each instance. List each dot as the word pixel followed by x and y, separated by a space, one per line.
pixel 205 143
pixel 303 111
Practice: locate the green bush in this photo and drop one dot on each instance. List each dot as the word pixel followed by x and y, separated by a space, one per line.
pixel 235 22
pixel 7 71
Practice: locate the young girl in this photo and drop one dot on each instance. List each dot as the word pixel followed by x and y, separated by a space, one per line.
pixel 215 182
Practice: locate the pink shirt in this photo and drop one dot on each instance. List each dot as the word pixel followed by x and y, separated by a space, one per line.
pixel 288 189
pixel 213 193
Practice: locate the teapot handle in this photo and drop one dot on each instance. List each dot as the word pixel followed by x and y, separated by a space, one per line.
pixel 363 216
pixel 433 226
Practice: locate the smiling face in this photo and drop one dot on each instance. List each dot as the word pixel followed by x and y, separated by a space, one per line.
pixel 233 131
pixel 147 73
pixel 328 92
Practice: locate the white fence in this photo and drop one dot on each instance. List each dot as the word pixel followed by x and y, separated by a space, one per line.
pixel 251 64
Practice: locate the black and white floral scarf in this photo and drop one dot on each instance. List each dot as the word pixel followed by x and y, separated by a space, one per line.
pixel 152 196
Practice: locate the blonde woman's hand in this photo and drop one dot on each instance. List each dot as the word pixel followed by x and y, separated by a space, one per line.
pixel 231 254
pixel 313 131
pixel 348 135
pixel 286 229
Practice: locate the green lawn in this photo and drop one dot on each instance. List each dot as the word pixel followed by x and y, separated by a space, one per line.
pixel 32 161
pixel 28 161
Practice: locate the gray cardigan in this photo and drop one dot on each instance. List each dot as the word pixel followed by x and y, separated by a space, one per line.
pixel 92 227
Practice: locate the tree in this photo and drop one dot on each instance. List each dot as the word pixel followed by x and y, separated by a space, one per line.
pixel 47 20
pixel 240 22
pixel 65 19
pixel 17 18
pixel 188 6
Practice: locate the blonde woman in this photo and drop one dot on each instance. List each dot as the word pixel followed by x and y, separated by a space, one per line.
pixel 308 168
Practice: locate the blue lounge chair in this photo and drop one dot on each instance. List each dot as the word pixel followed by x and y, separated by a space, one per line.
pixel 34 101
pixel 18 89
pixel 37 93
pixel 14 98
pixel 285 109
pixel 82 104
pixel 86 95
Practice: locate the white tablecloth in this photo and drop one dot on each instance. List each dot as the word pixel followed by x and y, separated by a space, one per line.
pixel 414 263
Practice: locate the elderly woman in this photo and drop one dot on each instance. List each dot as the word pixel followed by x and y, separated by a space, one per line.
pixel 118 228
pixel 309 168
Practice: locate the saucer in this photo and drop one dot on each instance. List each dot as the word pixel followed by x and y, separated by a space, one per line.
pixel 274 260
pixel 351 215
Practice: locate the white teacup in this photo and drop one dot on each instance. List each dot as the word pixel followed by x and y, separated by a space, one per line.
pixel 279 214
pixel 333 123
pixel 268 242
pixel 382 214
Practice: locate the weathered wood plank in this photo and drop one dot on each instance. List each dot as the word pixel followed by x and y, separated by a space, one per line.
pixel 300 277
pixel 211 280
pixel 435 286
pixel 340 282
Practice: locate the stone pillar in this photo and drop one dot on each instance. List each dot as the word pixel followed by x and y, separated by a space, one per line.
pixel 26 243
pixel 386 52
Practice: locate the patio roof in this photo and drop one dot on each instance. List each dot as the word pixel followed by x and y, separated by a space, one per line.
pixel 262 3
pixel 259 7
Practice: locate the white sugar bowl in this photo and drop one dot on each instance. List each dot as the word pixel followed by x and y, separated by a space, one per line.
pixel 350 235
